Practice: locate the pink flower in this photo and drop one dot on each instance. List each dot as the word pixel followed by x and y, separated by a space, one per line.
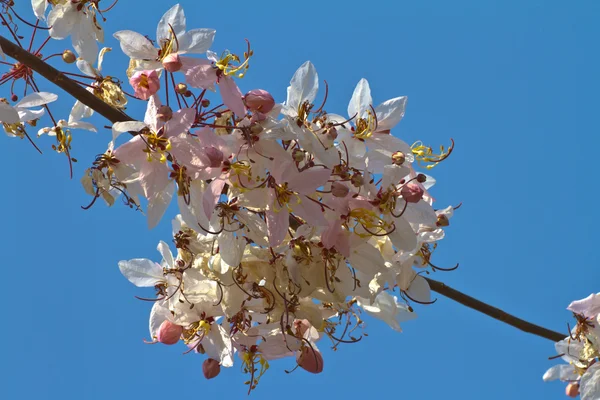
pixel 145 84
pixel 259 100
pixel 204 74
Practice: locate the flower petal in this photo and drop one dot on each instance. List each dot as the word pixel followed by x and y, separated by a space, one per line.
pixel 142 272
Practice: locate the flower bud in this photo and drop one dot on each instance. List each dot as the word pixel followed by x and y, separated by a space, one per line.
pixel 398 158
pixel 214 155
pixel 421 178
pixel 412 193
pixel 442 220
pixel 145 84
pixel 259 100
pixel 357 180
pixel 181 88
pixel 69 57
pixel 310 360
pixel 172 62
pixel 14 97
pixel 572 389
pixel 164 113
pixel 298 155
pixel 338 189
pixel 210 368
pixel 169 333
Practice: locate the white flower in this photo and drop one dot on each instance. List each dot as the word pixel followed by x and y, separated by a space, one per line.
pixel 387 308
pixel 78 20
pixel 20 113
pixel 171 38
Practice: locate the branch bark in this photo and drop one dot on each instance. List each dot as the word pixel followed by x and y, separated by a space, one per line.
pixel 62 81
pixel 112 114
pixel 494 312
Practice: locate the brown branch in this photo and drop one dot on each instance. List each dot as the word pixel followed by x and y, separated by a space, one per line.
pixel 494 312
pixel 59 79
pixel 112 114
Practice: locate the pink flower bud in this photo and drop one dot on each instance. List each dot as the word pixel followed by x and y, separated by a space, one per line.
pixel 172 62
pixel 145 84
pixel 338 189
pixel 310 360
pixel 214 155
pixel 210 368
pixel 572 390
pixel 164 113
pixel 259 100
pixel 412 193
pixel 169 333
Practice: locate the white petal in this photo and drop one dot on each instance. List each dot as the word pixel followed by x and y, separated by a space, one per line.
pixel 37 99
pixel 82 125
pixel 142 272
pixel 361 99
pixel 174 18
pixel 127 126
pixel 390 112
pixel 158 203
pixel 231 248
pixel 197 41
pixel 419 290
pixel 62 19
pixel 136 46
pixel 39 8
pixel 303 86
pixel 590 383
pixel 164 250
pixel 8 114
pixel 561 371
pixel 217 345
pixel 83 37
pixel 29 115
pixel 159 314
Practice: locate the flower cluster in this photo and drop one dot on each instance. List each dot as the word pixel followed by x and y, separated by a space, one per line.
pixel 293 221
pixel 581 350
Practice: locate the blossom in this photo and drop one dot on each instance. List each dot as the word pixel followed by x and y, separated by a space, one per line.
pixel 77 19
pixel 13 117
pixel 172 39
pixel 145 84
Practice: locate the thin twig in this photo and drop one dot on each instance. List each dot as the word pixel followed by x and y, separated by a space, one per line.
pixel 494 312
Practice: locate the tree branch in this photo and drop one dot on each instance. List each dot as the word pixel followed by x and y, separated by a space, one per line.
pixel 59 79
pixel 494 312
pixel 114 115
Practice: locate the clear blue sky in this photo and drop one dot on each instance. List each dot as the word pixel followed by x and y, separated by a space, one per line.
pixel 514 82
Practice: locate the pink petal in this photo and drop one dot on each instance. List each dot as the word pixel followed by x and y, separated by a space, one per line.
pixel 181 122
pixel 277 225
pixel 211 196
pixel 310 211
pixel 589 307
pixel 199 73
pixel 232 96
pixel 308 181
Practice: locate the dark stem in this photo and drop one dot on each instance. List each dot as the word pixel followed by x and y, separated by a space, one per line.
pixel 494 312
pixel 59 79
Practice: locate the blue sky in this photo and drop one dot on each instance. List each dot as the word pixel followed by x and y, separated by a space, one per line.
pixel 514 83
